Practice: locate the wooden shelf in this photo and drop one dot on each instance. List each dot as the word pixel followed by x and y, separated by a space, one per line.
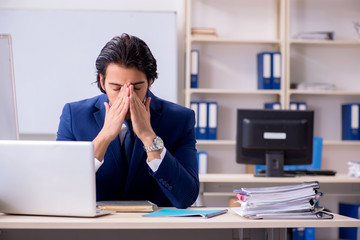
pixel 341 143
pixel 232 40
pixel 231 91
pixel 326 42
pixel 324 92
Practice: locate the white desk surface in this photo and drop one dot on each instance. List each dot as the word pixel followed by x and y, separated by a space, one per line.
pixel 249 178
pixel 229 220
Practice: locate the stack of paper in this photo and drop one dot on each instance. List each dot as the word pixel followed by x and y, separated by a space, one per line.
pixel 293 201
pixel 316 35
pixel 315 86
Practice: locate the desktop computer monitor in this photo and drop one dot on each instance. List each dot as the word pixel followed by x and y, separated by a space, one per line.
pixel 8 116
pixel 274 138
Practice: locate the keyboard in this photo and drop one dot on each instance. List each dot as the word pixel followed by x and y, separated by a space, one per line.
pixel 305 172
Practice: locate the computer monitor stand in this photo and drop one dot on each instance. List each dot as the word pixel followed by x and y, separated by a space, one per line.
pixel 274 165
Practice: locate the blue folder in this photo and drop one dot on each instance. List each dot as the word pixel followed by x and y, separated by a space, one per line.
pixel 350 121
pixel 194 68
pixel 195 107
pixel 272 105
pixel 212 117
pixel 303 234
pixel 170 212
pixel 298 105
pixel 275 70
pixel 264 70
pixel 202 130
pixel 349 210
pixel 202 158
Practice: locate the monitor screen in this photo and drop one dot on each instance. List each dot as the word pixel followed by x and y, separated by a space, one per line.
pixel 8 117
pixel 274 138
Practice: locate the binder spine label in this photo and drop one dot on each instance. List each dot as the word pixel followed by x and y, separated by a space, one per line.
pixel 354 116
pixel 267 66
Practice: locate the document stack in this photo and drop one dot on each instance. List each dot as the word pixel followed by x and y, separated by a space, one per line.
pixel 316 36
pixel 281 202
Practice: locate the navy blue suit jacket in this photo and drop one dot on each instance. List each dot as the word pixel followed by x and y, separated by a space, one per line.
pixel 175 183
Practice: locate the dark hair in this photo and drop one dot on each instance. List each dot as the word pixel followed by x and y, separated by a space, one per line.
pixel 127 51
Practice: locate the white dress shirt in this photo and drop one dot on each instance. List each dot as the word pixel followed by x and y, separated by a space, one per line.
pixel 154 164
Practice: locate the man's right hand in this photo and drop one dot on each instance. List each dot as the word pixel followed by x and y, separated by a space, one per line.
pixel 114 118
pixel 116 113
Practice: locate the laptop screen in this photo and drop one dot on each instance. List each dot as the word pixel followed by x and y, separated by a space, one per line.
pixel 47 178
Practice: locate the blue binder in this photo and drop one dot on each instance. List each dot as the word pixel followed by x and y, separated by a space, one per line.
pixel 212 120
pixel 293 105
pixel 195 107
pixel 303 233
pixel 264 70
pixel 349 210
pixel 298 106
pixel 202 158
pixel 194 68
pixel 350 121
pixel 302 106
pixel 275 70
pixel 202 130
pixel 272 105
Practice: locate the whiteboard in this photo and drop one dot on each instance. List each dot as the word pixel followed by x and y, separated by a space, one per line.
pixel 55 53
pixel 8 116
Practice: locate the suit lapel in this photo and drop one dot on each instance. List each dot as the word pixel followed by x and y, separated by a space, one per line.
pixel 139 153
pixel 99 115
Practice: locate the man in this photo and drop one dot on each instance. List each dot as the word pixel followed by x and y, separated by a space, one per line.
pixel 144 146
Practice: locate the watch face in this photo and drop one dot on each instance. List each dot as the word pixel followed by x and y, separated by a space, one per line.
pixel 159 143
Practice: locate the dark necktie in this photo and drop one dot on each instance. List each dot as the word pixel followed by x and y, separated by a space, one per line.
pixel 128 142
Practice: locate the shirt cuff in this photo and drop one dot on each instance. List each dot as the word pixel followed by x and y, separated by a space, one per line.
pixel 155 164
pixel 98 164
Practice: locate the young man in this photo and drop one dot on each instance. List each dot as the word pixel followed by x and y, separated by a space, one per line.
pixel 144 146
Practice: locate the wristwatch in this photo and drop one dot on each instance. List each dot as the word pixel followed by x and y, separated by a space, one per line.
pixel 157 145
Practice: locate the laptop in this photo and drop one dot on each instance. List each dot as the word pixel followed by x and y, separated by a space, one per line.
pixel 48 178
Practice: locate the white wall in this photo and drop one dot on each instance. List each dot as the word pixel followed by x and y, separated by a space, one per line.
pixel 113 5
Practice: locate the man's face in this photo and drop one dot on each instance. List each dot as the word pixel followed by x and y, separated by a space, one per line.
pixel 117 76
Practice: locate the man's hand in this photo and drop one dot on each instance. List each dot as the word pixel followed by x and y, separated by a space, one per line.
pixel 116 113
pixel 114 118
pixel 140 118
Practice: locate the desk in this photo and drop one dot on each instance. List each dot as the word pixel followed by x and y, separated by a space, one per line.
pixel 134 226
pixel 216 189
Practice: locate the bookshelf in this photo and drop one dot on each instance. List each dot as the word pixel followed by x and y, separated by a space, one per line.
pixel 334 62
pixel 228 75
pixel 228 63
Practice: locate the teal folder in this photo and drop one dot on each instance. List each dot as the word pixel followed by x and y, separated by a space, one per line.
pixel 169 212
